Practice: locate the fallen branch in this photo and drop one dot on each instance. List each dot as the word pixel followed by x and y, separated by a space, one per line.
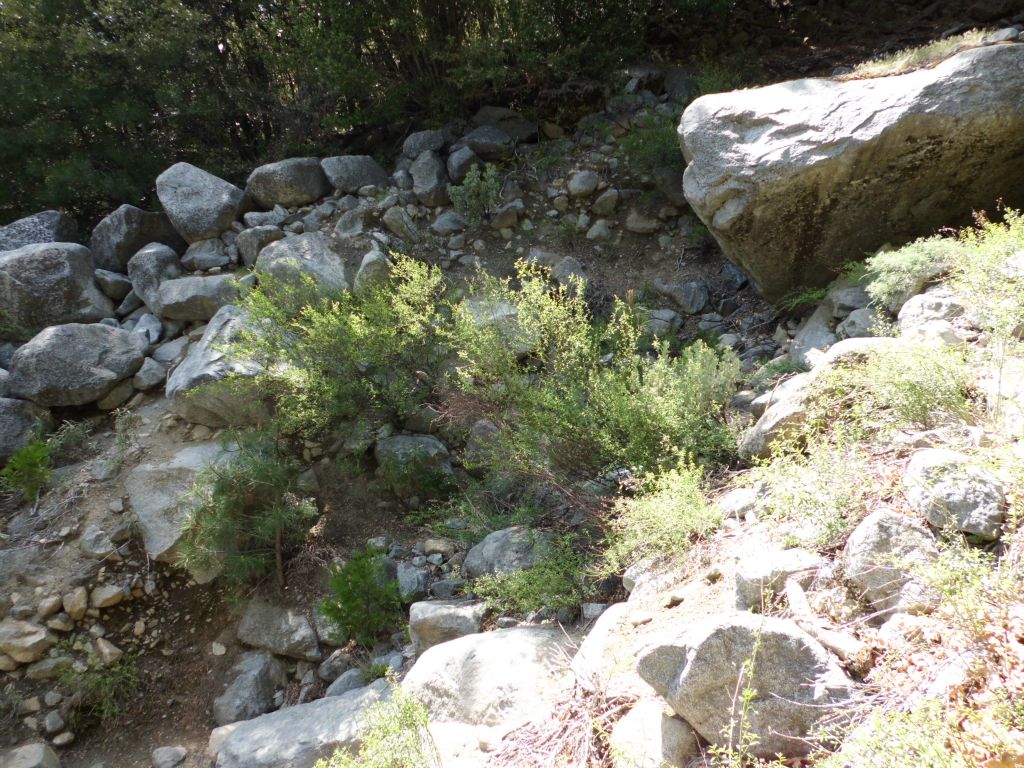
pixel 855 653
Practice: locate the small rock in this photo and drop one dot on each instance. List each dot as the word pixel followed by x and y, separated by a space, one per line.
pixel 169 757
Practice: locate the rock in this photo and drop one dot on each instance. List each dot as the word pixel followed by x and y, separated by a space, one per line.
pixel 412 581
pixel 108 652
pixel 205 254
pixel 258 676
pixel 38 755
pixel 459 163
pixel 480 445
pixel 950 491
pixel 149 268
pixel 605 203
pixel 413 464
pixel 76 603
pixel 196 298
pixel 858 324
pixel 114 285
pixel 796 179
pixel 879 557
pixel 935 304
pixel 400 224
pixel 21 422
pixel 640 223
pixel 373 270
pixel 125 232
pixel 159 497
pixel 291 260
pixel 43 227
pixel 151 374
pixel 75 364
pixel 253 240
pixel 509 121
pixel 758 578
pixel 583 183
pixel 168 757
pixel 278 630
pixel 781 422
pixel 334 666
pixel 507 215
pixel 448 223
pixel 289 183
pixel 199 204
pixel 504 551
pixel 489 143
pixel 48 284
pixel 416 144
pixel 53 723
pixel 814 337
pixel 349 173
pixel 210 361
pixel 430 179
pixel 797 682
pixel 599 230
pixel 299 736
pixel 649 736
pixel 274 218
pixel 95 543
pixel 106 596
pixel 438 621
pixel 692 298
pixel 347 681
pixel 50 668
pixel 24 641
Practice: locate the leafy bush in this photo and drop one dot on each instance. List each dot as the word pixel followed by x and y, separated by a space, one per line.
pixel 769 374
pixel 395 734
pixel 891 277
pixel 651 143
pixel 247 512
pixel 365 602
pixel 909 59
pixel 102 691
pixel 556 581
pixel 478 195
pixel 28 469
pixel 69 441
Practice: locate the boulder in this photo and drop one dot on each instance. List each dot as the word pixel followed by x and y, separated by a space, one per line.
pixel 504 551
pixel 37 755
pixel 150 267
pixel 437 621
pixel 43 227
pixel 199 204
pixel 373 270
pixel 489 143
pixel 814 337
pixel 459 162
pixel 24 641
pixel 491 678
pixel 210 361
pixel 299 736
pixel 253 240
pixel 258 676
pixel 950 490
pixel 349 173
pixel 448 223
pixel 758 578
pixel 48 284
pixel 124 232
pixel 205 254
pixel 509 121
pixel 75 364
pixel 583 183
pixel 400 224
pixel 430 179
pixel 291 260
pixel 151 374
pixel 879 557
pixel 413 464
pixel 795 680
pixel 650 736
pixel 289 183
pixel 20 423
pixel 196 298
pixel 781 422
pixel 416 144
pixel 160 499
pixel 115 286
pixel 168 757
pixel 279 630
pixel 796 179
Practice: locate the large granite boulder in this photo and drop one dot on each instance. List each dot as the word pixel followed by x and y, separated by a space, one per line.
pixel 349 173
pixel 209 361
pixel 279 630
pixel 48 284
pixel 149 269
pixel 199 204
pixel 798 178
pixel 290 183
pixel 42 227
pixel 505 551
pixel 952 491
pixel 195 297
pixel 413 464
pixel 290 261
pixel 258 676
pixel 122 233
pixel 75 364
pixel 20 423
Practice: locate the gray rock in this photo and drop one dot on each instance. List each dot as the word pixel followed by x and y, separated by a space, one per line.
pixel 797 682
pixel 935 304
pixel 438 621
pixel 430 179
pixel 279 630
pixel 253 240
pixel 345 682
pixel 349 173
pixel 448 223
pixel 205 254
pixel 798 178
pixel 151 374
pixel 649 736
pixel 351 224
pixel 291 260
pixel 507 215
pixel 879 559
pixel 489 143
pixel 814 337
pixel 950 490
pixel 605 203
pixel 422 141
pixel 149 327
pixel 170 352
pixel 640 223
pixel 209 361
pixel 150 267
pixel 42 227
pixel 373 270
pixel 289 183
pixel 95 543
pixel 583 183
pixel 400 224
pixel 781 422
pixel 196 298
pixel 199 204
pixel 37 755
pixel 258 676
pixel 858 324
pixel 509 121
pixel 480 445
pixel 504 551
pixel 459 163
pixel 75 364
pixel 758 578
pixel 24 641
pixel 413 464
pixel 124 232
pixel 159 496
pixel 20 423
pixel 692 298
pixel 299 736
pixel 48 284
pixel 334 666
pixel 412 581
pixel 115 286
pixel 274 218
pixel 168 757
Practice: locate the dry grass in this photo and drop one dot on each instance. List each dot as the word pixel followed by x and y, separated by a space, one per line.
pixel 909 59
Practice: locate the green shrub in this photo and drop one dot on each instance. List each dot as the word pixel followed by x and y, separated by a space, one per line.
pixel 891 277
pixel 70 441
pixel 478 195
pixel 556 581
pixel 651 143
pixel 365 602
pixel 28 469
pixel 247 512
pixel 394 734
pixel 799 298
pixel 102 692
pixel 909 59
pixel 769 374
